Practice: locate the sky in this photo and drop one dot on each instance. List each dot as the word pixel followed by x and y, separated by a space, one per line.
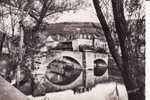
pixel 84 14
pixel 88 14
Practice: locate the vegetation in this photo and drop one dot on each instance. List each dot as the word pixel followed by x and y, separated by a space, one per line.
pixel 125 62
pixel 27 16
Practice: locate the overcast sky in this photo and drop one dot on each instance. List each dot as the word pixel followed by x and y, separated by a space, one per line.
pixel 82 15
pixel 85 14
pixel 88 14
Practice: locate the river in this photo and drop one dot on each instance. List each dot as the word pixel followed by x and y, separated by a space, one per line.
pixel 104 91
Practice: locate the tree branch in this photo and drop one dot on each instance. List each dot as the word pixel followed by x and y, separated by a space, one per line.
pixel 122 31
pixel 42 15
pixel 107 33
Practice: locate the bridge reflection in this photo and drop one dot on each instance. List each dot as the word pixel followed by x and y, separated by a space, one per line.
pixel 85 82
pixel 102 91
pixel 66 71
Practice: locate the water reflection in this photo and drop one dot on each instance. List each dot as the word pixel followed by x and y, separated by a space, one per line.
pixel 86 87
pixel 102 91
pixel 63 71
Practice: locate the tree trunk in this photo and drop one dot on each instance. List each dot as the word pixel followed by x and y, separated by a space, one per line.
pixel 128 66
pixel 123 63
pixel 21 43
pixel 2 42
pixel 107 33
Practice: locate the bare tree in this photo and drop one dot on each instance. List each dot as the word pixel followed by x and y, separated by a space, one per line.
pixel 38 11
pixel 2 42
pixel 2 32
pixel 125 62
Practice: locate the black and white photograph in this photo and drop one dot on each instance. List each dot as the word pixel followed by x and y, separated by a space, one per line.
pixel 73 50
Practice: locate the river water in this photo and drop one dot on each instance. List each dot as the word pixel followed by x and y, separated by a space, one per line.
pixel 105 91
pixel 110 90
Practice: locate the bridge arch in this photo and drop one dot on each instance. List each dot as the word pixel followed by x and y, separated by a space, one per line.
pixel 101 61
pixel 73 80
pixel 77 56
pixel 100 67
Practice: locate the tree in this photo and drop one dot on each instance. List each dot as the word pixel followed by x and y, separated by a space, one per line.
pixel 37 11
pixel 2 42
pixel 2 33
pixel 125 61
pixel 34 12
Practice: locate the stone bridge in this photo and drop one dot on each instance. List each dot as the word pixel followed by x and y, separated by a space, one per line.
pixel 83 63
